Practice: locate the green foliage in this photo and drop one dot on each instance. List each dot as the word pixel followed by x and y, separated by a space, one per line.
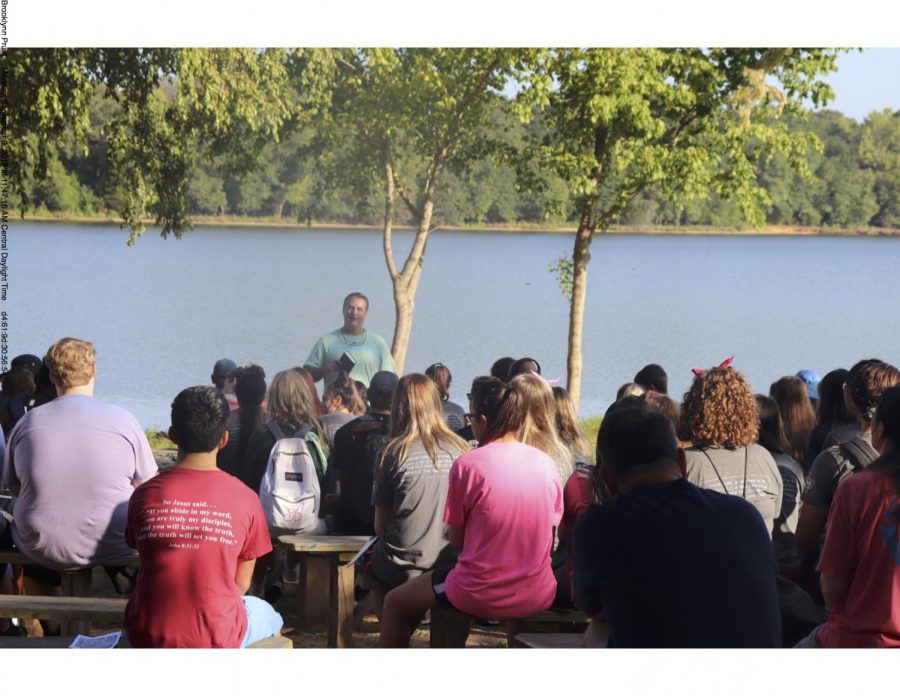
pixel 564 270
pixel 159 440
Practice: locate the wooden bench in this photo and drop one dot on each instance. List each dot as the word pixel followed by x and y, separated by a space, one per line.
pixel 75 583
pixel 547 640
pixel 450 627
pixel 325 593
pixel 272 642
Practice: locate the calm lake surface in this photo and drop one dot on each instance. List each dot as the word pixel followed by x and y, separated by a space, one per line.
pixel 162 312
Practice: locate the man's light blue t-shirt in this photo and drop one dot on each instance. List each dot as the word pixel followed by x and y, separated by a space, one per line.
pixel 370 351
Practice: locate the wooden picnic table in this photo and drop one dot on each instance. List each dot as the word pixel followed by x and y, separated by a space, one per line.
pixel 325 594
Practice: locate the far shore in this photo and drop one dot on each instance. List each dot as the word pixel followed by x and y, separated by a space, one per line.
pixel 699 230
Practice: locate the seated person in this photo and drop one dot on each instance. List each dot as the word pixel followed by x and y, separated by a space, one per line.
pixel 357 450
pixel 411 490
pixel 859 567
pixel 189 591
pixel 664 563
pixel 503 502
pixel 73 463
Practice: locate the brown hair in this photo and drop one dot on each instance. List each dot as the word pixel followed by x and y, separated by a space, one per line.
pixel 866 382
pixel 719 410
pixel 529 412
pixel 659 402
pixel 440 375
pixel 71 362
pixel 311 383
pixel 797 415
pixel 290 400
pixel 416 416
pixel 344 388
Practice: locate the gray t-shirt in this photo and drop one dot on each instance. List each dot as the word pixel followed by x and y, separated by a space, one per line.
pixel 833 465
pixel 720 469
pixel 415 492
pixel 331 423
pixel 75 461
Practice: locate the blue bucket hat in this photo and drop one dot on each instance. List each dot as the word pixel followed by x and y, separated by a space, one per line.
pixel 811 379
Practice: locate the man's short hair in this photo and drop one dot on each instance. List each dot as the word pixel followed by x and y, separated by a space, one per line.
pixel 199 419
pixel 635 437
pixel 354 295
pixel 71 362
pixel 653 377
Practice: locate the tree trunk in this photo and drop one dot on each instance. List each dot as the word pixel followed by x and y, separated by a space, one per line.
pixel 405 286
pixel 580 258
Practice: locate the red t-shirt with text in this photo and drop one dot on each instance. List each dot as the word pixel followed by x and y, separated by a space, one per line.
pixel 191 529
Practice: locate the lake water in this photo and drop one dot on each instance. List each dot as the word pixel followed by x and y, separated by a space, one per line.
pixel 162 312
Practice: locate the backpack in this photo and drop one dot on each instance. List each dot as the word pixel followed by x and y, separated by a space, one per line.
pixel 858 453
pixel 290 492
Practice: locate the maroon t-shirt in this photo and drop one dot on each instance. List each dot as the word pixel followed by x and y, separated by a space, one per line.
pixel 191 529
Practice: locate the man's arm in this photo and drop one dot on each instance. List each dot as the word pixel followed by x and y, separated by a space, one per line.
pixel 319 373
pixel 244 575
pixel 834 589
pixel 317 364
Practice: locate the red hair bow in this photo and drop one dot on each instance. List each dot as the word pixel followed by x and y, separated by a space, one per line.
pixel 727 363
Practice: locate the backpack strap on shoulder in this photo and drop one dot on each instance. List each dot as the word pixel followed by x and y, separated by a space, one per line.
pixel 276 430
pixel 856 454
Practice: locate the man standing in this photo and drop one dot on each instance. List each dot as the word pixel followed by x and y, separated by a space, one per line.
pixel 369 350
pixel 666 564
pixel 73 463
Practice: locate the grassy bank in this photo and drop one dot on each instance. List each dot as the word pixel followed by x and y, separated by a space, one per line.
pixel 517 228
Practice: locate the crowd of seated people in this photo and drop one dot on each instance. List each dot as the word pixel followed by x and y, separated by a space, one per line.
pixel 730 519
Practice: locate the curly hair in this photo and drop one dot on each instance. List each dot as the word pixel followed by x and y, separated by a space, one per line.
pixel 719 410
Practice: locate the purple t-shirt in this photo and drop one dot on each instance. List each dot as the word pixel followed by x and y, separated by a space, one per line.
pixel 76 461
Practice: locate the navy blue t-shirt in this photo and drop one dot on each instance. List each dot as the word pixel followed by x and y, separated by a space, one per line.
pixel 674 565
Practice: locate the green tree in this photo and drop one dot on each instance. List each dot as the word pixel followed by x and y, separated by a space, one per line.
pixel 879 151
pixel 409 114
pixel 173 106
pixel 684 121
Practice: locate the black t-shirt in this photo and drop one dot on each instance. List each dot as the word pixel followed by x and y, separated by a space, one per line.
pixel 357 448
pixel 674 565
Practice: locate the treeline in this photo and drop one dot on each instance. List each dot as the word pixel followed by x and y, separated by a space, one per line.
pixel 854 181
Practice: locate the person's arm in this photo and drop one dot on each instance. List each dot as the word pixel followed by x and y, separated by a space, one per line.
pixel 319 373
pixel 244 575
pixel 381 518
pixel 8 476
pixel 834 589
pixel 457 536
pixel 810 525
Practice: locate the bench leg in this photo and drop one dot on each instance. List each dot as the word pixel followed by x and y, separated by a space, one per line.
pixel 313 593
pixel 340 621
pixel 77 583
pixel 449 628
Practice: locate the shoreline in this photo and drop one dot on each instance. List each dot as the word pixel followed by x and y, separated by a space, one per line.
pixel 695 230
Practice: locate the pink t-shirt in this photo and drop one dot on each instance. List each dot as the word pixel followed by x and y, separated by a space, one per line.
pixel 862 545
pixel 508 498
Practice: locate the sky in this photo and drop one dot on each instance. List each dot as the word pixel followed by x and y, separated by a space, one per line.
pixel 865 82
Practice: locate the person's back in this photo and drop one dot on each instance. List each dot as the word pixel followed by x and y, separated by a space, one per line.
pixel 415 491
pixel 198 531
pixel 357 447
pixel 508 497
pixel 76 460
pixel 674 565
pixel 663 562
pixel 186 595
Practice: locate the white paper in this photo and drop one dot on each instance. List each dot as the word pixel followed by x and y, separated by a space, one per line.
pixel 107 640
pixel 359 554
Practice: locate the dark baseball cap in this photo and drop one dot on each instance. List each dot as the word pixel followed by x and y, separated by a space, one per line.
pixel 382 386
pixel 223 367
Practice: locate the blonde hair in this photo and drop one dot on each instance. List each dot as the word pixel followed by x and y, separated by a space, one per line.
pixel 71 362
pixel 529 412
pixel 290 400
pixel 416 416
pixel 569 428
